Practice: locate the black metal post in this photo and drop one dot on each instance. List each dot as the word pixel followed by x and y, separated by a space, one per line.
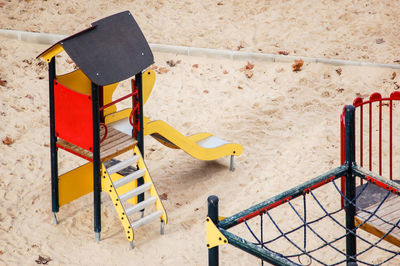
pixel 140 139
pixel 140 136
pixel 351 248
pixel 213 258
pixel 101 103
pixel 96 162
pixel 53 141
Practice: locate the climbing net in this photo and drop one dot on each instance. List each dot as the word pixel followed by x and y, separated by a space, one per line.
pixel 298 227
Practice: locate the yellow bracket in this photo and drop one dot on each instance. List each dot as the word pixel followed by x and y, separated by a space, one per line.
pixel 214 236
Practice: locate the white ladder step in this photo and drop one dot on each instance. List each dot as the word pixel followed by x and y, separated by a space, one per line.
pixel 135 192
pixel 122 165
pixel 126 179
pixel 140 206
pixel 147 219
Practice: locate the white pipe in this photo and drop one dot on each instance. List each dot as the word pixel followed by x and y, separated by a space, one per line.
pixel 33 37
pixel 48 38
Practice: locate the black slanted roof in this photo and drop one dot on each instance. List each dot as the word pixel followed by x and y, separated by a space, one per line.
pixel 113 49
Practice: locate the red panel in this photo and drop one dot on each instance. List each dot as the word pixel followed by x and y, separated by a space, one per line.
pixel 73 115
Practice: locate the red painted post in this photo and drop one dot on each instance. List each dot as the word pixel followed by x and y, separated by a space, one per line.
pixel 390 138
pixel 370 136
pixel 380 137
pixel 358 102
pixel 361 136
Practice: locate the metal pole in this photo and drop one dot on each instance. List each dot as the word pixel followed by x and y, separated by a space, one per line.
pixel 96 162
pixel 53 142
pixel 213 259
pixel 351 248
pixel 140 136
pixel 138 82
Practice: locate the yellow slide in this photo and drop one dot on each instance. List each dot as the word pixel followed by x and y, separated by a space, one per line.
pixel 202 146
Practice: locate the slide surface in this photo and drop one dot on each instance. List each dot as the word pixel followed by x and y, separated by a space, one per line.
pixel 202 146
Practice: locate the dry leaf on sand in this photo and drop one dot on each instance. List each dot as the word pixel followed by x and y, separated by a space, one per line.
pixel 249 66
pixel 173 63
pixel 297 65
pixel 164 196
pixel 249 74
pixel 8 141
pixel 162 70
pixel 42 260
pixel 283 52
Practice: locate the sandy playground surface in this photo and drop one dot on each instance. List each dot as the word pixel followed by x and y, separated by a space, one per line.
pixel 287 122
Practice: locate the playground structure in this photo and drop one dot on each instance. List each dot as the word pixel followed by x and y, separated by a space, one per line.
pixel 84 121
pixel 281 244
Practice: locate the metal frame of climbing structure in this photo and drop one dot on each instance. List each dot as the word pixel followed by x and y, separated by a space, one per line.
pixel 81 110
pixel 217 227
pixel 374 126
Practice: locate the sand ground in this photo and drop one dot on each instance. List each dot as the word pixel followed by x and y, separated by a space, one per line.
pixel 287 122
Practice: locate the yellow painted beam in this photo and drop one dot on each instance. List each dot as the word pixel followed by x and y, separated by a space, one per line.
pixel 376 232
pixel 148 81
pixel 53 51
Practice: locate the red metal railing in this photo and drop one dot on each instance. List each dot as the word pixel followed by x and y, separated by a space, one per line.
pixel 369 104
pixel 135 109
pixel 133 94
